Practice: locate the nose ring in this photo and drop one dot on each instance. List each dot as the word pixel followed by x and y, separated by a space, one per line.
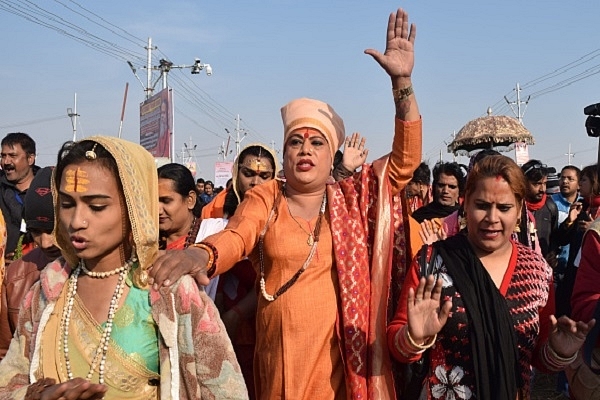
pixel 84 222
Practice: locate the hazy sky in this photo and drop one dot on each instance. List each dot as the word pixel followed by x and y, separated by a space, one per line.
pixel 469 54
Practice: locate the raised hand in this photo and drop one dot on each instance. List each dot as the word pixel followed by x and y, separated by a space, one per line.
pixel 567 336
pixel 430 233
pixel 426 316
pixel 355 153
pixel 398 59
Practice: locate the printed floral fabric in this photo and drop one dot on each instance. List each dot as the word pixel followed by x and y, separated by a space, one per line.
pixel 527 288
pixel 196 356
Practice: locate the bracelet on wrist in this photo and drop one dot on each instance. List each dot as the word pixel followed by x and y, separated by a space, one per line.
pixel 555 361
pixel 423 346
pixel 211 259
pixel 402 94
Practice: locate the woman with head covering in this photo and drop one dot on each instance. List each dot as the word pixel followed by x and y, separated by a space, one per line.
pixel 255 165
pixel 236 294
pixel 488 318
pixel 91 327
pixel 327 254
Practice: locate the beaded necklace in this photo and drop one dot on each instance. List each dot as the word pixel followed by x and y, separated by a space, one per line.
pixel 315 235
pixel 189 239
pixel 100 354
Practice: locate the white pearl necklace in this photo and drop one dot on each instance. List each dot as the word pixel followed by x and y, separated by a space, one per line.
pixel 102 349
pixel 106 274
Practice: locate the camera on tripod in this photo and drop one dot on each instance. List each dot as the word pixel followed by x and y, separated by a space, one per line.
pixel 592 123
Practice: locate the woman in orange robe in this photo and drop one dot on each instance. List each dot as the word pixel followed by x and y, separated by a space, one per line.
pixel 327 254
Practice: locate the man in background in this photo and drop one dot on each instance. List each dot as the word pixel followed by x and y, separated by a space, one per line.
pixel 18 169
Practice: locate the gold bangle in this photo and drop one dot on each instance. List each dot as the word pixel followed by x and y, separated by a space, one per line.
pixel 211 257
pixel 423 346
pixel 402 94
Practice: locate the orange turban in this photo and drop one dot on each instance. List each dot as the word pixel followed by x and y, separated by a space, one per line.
pixel 309 113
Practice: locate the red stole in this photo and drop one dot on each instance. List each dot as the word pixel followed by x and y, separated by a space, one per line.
pixel 357 213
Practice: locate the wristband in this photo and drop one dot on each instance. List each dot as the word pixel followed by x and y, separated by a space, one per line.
pixel 402 94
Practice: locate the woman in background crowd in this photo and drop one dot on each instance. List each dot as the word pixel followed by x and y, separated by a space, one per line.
pixel 487 315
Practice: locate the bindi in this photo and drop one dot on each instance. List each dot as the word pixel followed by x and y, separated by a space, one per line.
pixel 77 180
pixel 306 134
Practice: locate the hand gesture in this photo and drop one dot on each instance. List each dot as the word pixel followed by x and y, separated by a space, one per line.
pixel 77 388
pixel 173 264
pixel 425 316
pixel 355 153
pixel 431 233
pixel 567 336
pixel 574 211
pixel 399 59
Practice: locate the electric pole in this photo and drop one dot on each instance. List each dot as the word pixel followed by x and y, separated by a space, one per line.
pixel 518 103
pixel 569 155
pixel 237 135
pixel 165 66
pixel 72 113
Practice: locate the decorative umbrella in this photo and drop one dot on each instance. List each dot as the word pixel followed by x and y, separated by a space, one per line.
pixel 492 131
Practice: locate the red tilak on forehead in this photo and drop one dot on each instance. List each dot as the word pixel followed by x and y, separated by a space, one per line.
pixel 499 177
pixel 306 134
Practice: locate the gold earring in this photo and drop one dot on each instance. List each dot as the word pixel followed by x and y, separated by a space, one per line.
pixel 518 226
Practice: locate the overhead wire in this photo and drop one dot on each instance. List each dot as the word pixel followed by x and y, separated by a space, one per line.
pixel 45 18
pixel 33 122
pixel 195 96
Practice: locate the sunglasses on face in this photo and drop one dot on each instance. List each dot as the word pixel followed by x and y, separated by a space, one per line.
pixel 535 166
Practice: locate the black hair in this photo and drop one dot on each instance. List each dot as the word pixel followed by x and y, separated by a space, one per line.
pixel 422 174
pixel 572 168
pixel 534 170
pixel 452 169
pixel 199 180
pixel 256 151
pixel 20 138
pixel 338 157
pixel 481 155
pixel 206 183
pixel 183 181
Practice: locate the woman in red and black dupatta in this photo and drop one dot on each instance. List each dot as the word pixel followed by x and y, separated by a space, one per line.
pixel 487 318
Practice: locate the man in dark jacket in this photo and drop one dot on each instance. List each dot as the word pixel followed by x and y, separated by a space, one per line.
pixel 448 185
pixel 18 169
pixel 542 207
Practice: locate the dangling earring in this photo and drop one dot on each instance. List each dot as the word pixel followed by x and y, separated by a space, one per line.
pixel 330 180
pixel 518 226
pixel 462 222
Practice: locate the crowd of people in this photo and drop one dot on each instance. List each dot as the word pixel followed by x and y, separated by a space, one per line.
pixel 323 277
